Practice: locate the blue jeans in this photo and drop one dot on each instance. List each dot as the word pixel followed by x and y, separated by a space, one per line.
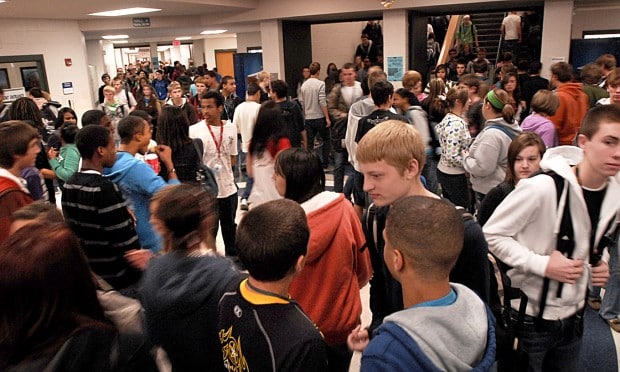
pixel 314 126
pixel 249 182
pixel 553 346
pixel 430 173
pixel 610 307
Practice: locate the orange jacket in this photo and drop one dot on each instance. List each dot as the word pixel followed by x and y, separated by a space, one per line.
pixel 574 104
pixel 337 266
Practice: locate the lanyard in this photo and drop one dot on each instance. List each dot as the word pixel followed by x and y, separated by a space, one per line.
pixel 218 146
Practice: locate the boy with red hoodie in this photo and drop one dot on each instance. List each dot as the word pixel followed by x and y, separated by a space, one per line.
pixel 19 146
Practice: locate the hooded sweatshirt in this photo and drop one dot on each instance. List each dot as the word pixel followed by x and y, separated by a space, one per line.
pixel 337 266
pixel 522 232
pixel 180 296
pixel 541 126
pixel 13 196
pixel 574 104
pixel 138 183
pixel 488 155
pixel 455 337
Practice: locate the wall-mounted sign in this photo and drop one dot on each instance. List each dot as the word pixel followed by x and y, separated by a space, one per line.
pixel 141 22
pixel 12 94
pixel 67 88
pixel 176 42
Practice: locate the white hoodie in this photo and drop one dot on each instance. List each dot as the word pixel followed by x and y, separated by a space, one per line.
pixel 522 232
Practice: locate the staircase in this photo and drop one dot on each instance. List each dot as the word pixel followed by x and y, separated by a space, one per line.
pixel 488 27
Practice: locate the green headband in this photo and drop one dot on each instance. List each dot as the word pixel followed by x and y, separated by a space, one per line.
pixel 494 101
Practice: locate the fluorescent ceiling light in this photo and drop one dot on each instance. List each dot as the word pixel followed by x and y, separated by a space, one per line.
pixel 213 32
pixel 162 48
pixel 124 12
pixel 120 41
pixel 601 36
pixel 115 37
pixel 183 38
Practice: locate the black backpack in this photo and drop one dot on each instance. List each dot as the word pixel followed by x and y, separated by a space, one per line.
pixel 204 175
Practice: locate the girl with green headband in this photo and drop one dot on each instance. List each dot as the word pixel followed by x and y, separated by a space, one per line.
pixel 487 158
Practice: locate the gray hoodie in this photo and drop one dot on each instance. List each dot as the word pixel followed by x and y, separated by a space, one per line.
pixel 488 155
pixel 453 337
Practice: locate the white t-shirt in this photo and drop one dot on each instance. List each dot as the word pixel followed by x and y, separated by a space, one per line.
pixel 245 120
pixel 217 156
pixel 511 23
pixel 122 97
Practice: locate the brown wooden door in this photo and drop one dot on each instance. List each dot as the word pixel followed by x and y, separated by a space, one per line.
pixel 224 62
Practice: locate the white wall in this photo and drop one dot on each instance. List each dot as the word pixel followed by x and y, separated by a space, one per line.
pixel 213 44
pixel 247 39
pixel 95 56
pixel 595 18
pixel 556 33
pixel 55 40
pixel 273 47
pixel 395 40
pixel 327 48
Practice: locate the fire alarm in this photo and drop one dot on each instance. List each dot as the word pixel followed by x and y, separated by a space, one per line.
pixel 68 62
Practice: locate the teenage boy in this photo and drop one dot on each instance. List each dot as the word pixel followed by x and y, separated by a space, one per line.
pixel 381 94
pixel 291 114
pixel 231 100
pixel 444 326
pixel 160 84
pixel 260 327
pixel 19 146
pixel 391 157
pixel 314 102
pixel 220 150
pixel 201 87
pixel 522 233
pixel 244 121
pixel 137 180
pixel 177 98
pixel 97 213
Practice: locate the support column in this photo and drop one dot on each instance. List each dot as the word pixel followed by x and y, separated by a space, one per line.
pixel 556 33
pixel 395 44
pixel 154 56
pixel 273 49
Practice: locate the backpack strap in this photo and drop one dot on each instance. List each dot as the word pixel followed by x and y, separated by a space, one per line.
pixel 199 149
pixel 507 132
pixel 565 241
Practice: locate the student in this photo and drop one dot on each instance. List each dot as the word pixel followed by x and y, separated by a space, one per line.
pixel 65 163
pixel 220 153
pixel 52 320
pixel 181 288
pixel 19 146
pixel 260 327
pixel 175 91
pixel 97 213
pixel 522 233
pixel 336 257
pixel 136 179
pixel 444 326
pixel 391 156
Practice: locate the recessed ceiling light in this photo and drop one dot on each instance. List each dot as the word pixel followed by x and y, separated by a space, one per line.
pixel 183 38
pixel 213 32
pixel 124 12
pixel 114 37
pixel 601 36
pixel 119 41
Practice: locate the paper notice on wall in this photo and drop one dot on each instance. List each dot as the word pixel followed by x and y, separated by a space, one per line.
pixel 395 68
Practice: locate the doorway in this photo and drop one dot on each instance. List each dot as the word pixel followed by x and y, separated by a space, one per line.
pixel 224 62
